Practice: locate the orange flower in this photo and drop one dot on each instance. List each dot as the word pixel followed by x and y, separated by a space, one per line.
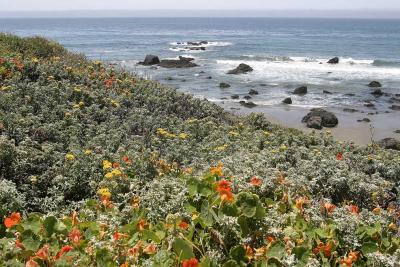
pixel 105 200
pixel 225 190
pixel 43 253
pixel 63 250
pixel 339 156
pixel 353 209
pixel 75 236
pixel 18 244
pixel 256 181
pixel 329 207
pixel 31 263
pixel 118 236
pixel 217 170
pixel 190 263
pixel 351 258
pixel 115 165
pixel 249 252
pixel 127 160
pixel 150 249
pixel 326 249
pixel 183 225
pixel 109 82
pixel 141 224
pixel 74 218
pixel 300 202
pixel 14 219
pixel 135 250
pixel 271 239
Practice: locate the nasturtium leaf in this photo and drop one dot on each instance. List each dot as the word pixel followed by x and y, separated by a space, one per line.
pixel 247 203
pixel 260 211
pixel 238 253
pixel 369 247
pixel 33 223
pixel 150 235
pixel 274 262
pixel 31 243
pixel 277 250
pixel 242 221
pixel 50 225
pixel 182 249
pixel 229 209
pixel 302 253
pixel 231 263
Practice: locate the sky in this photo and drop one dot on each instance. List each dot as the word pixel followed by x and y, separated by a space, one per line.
pixel 43 5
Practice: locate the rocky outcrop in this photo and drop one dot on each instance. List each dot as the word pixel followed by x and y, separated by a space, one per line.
pixel 150 60
pixel 253 92
pixel 314 122
pixel 302 90
pixel 241 69
pixel 326 92
pixel 334 60
pixel 247 104
pixel 375 84
pixel 395 107
pixel 186 58
pixel 224 85
pixel 235 96
pixel 328 119
pixel 177 63
pixel 390 143
pixel 287 101
pixel 377 92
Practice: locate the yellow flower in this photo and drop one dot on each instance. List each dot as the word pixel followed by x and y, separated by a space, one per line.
pixel 109 175
pixel 76 106
pixel 88 152
pixel 233 133
pixel 104 192
pixel 50 78
pixel 5 88
pixel 115 103
pixel 35 60
pixel 81 104
pixel 107 165
pixel 267 133
pixel 192 120
pixel 34 179
pixel 217 170
pixel 116 172
pixel 283 147
pixel 67 114
pixel 77 90
pixel 183 136
pixel 70 157
pixel 221 148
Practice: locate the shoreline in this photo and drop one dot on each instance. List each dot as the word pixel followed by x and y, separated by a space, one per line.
pixel 349 129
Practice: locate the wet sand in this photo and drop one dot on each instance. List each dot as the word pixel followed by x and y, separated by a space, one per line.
pixel 382 125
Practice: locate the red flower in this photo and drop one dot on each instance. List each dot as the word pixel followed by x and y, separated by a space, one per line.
pixel 63 250
pixel 225 190
pixel 183 225
pixel 353 209
pixel 43 253
pixel 115 165
pixel 75 236
pixel 326 249
pixel 256 181
pixel 118 236
pixel 14 219
pixel 339 156
pixel 31 263
pixel 109 82
pixel 127 160
pixel 190 263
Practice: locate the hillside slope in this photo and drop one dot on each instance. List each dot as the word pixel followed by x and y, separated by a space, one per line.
pixel 160 177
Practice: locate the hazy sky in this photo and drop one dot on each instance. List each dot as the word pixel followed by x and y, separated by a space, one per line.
pixel 34 5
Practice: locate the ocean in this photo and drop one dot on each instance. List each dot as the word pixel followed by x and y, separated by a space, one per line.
pixel 284 53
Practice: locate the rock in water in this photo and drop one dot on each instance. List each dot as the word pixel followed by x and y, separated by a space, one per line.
pixel 247 104
pixel 328 119
pixel 224 85
pixel 377 92
pixel 375 84
pixel 314 122
pixel 180 63
pixel 397 131
pixel 327 92
pixel 241 69
pixel 395 107
pixel 334 60
pixel 302 90
pixel 186 58
pixel 150 60
pixel 287 101
pixel 390 143
pixel 253 92
pixel 351 110
pixel 364 120
pixel 235 96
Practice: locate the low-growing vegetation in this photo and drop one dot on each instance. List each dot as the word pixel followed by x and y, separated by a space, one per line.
pixel 99 167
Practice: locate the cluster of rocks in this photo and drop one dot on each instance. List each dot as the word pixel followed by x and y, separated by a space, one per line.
pixel 318 118
pixel 182 62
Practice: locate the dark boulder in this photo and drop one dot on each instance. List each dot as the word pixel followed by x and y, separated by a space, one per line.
pixel 247 97
pixel 395 107
pixel 196 48
pixel 327 92
pixel 351 110
pixel 390 143
pixel 328 119
pixel 369 105
pixel 186 58
pixel 241 69
pixel 287 100
pixel 224 85
pixel 150 60
pixel 177 63
pixel 364 120
pixel 350 94
pixel 374 84
pixel 397 131
pixel 253 92
pixel 377 92
pixel 235 96
pixel 247 104
pixel 314 122
pixel 334 60
pixel 302 90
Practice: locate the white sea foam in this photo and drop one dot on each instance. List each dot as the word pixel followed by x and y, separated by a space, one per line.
pixel 208 44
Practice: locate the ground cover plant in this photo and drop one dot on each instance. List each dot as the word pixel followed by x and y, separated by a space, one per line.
pixel 99 167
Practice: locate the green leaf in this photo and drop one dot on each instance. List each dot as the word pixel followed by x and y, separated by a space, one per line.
pixel 242 221
pixel 274 262
pixel 238 253
pixel 247 203
pixel 229 209
pixel 260 211
pixel 369 247
pixel 31 243
pixel 147 234
pixel 231 263
pixel 50 225
pixel 183 249
pixel 302 254
pixel 277 250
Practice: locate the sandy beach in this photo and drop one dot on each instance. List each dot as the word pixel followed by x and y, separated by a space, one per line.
pixel 349 129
